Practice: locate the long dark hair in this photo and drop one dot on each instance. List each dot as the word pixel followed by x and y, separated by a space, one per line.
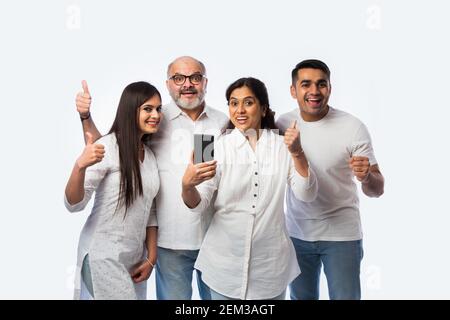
pixel 260 91
pixel 126 129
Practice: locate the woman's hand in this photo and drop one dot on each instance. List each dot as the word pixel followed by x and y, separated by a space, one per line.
pixel 197 173
pixel 92 153
pixel 142 272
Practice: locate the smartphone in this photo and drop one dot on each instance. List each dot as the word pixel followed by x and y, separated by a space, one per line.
pixel 203 148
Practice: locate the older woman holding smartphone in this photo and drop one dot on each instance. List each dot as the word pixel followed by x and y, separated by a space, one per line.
pixel 247 253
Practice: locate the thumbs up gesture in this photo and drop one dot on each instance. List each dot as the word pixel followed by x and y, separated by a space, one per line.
pixel 92 153
pixel 292 139
pixel 83 100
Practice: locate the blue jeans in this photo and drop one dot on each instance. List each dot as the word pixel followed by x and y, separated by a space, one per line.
pixel 217 296
pixel 86 276
pixel 174 269
pixel 341 263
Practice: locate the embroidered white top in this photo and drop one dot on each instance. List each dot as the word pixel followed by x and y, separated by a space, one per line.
pixel 115 244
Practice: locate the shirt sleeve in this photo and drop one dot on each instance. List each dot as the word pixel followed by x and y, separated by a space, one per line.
pixel 362 145
pixel 281 124
pixel 93 177
pixel 206 190
pixel 152 221
pixel 304 188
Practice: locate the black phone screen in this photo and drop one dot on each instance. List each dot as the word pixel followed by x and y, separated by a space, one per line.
pixel 203 148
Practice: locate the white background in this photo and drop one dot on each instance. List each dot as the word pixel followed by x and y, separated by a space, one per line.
pixel 390 67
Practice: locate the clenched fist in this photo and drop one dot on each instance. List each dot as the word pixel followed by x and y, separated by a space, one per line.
pixel 92 153
pixel 360 167
pixel 292 139
pixel 83 100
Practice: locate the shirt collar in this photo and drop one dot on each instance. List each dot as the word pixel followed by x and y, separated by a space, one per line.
pixel 240 140
pixel 173 111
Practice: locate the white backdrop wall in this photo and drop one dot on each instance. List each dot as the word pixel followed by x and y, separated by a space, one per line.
pixel 389 63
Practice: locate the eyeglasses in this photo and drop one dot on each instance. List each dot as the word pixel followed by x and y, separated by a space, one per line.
pixel 180 79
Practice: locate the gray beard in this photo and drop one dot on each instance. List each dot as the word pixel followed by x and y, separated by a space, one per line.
pixel 189 105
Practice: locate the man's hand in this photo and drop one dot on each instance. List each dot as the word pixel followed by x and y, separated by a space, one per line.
pixel 360 167
pixel 83 100
pixel 292 139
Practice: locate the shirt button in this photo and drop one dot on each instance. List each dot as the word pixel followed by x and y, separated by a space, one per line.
pixel 253 207
pixel 254 195
pixel 256 173
pixel 256 184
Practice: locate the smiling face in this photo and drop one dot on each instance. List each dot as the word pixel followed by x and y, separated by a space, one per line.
pixel 149 115
pixel 245 109
pixel 312 92
pixel 187 95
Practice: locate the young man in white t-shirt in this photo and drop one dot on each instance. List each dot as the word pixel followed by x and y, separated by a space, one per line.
pixel 338 146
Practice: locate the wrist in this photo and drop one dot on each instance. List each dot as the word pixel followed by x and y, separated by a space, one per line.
pixel 80 166
pixel 85 116
pixel 187 186
pixel 152 264
pixel 298 154
pixel 366 178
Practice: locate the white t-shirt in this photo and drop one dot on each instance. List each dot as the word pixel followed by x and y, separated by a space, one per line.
pixel 172 145
pixel 328 144
pixel 247 253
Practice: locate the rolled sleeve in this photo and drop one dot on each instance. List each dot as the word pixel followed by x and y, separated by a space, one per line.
pixel 206 190
pixel 152 219
pixel 94 175
pixel 77 206
pixel 303 188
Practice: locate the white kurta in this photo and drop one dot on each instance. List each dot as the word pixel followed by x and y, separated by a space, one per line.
pixel 247 252
pixel 115 244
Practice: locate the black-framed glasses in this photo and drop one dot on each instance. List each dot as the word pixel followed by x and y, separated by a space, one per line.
pixel 180 79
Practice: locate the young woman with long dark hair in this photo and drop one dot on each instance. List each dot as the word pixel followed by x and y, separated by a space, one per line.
pixel 117 247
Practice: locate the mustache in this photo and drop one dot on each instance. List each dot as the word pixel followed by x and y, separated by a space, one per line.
pixel 188 91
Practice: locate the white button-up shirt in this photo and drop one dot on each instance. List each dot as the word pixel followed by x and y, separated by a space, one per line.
pixel 173 146
pixel 247 252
